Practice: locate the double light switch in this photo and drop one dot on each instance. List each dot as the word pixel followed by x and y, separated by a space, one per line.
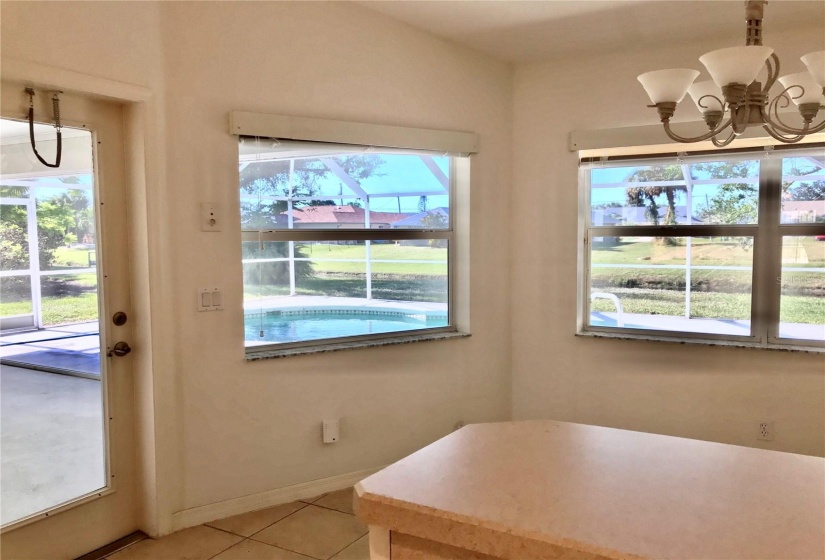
pixel 210 299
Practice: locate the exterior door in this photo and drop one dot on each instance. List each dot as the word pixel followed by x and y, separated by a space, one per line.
pixel 73 520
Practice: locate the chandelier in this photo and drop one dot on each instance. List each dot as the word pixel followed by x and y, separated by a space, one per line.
pixel 733 99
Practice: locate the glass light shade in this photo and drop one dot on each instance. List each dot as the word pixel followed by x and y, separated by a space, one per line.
pixel 671 85
pixel 735 65
pixel 698 90
pixel 813 91
pixel 815 62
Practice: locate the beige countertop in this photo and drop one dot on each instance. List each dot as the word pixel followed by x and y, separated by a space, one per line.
pixel 547 489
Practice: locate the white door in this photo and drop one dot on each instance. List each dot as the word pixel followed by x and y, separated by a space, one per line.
pixel 68 472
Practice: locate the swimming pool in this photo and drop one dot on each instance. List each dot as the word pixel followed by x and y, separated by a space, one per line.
pixel 293 326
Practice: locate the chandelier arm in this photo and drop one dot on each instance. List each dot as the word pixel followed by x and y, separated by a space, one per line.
pixel 780 137
pixel 711 134
pixel 740 125
pixel 773 72
pixel 722 143
pixel 780 126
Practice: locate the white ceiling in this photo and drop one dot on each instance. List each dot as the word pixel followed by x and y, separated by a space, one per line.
pixel 534 30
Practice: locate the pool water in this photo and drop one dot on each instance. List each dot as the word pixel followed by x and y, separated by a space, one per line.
pixel 295 327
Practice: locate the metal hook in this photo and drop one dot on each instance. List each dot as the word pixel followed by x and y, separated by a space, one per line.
pixel 56 109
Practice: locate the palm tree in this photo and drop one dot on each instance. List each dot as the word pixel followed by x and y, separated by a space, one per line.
pixel 646 196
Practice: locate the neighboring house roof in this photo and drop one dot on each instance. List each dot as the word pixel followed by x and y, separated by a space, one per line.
pixel 817 206
pixel 802 211
pixel 618 215
pixel 415 219
pixel 342 215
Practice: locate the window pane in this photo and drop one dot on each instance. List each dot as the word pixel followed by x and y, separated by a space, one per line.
pixel 642 283
pixel 68 298
pixel 66 225
pixel 282 187
pixel 641 195
pixel 803 190
pixel 14 237
pixel 16 297
pixel 802 303
pixel 723 192
pixel 319 290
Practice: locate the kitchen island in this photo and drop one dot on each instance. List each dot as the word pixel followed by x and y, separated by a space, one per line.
pixel 538 490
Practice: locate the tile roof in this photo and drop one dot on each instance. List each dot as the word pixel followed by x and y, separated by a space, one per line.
pixel 342 215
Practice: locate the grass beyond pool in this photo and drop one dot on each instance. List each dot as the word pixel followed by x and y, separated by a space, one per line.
pixel 294 326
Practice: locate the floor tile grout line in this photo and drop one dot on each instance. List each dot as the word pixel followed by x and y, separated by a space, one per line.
pixel 287 549
pixel 278 521
pixel 332 509
pixel 225 531
pixel 244 539
pixel 207 524
pixel 227 548
pixel 349 545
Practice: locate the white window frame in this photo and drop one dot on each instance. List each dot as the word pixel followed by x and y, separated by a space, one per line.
pixel 767 248
pixel 381 138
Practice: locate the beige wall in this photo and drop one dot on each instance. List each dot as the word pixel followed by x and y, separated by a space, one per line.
pixel 226 427
pixel 711 393
pixel 220 427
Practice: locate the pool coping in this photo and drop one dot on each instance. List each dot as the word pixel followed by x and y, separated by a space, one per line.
pixel 253 354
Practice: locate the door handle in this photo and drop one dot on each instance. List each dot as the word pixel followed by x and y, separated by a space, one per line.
pixel 120 349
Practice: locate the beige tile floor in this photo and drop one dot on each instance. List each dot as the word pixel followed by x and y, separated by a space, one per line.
pixel 323 528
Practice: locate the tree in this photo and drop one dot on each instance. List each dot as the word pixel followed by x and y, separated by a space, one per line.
pixel 732 203
pixel 646 196
pixel 272 179
pixel 808 190
pixel 14 244
pixel 435 220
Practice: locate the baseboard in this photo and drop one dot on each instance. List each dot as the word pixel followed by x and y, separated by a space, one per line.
pixel 305 490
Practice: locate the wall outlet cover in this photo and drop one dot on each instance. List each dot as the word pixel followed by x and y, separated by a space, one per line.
pixel 765 431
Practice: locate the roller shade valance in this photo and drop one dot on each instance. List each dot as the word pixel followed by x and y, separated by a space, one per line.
pixel 351 134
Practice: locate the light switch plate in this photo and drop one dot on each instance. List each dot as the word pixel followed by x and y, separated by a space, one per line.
pixel 210 299
pixel 210 217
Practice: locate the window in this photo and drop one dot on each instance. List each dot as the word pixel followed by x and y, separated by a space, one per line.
pixel 722 247
pixel 343 242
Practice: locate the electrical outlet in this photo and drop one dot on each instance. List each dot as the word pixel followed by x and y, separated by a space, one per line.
pixel 331 430
pixel 765 432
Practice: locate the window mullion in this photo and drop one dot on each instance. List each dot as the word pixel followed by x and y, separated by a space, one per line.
pixel 767 266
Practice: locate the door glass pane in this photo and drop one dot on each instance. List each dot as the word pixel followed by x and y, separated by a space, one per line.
pixel 332 289
pixel 802 303
pixel 52 431
pixel 687 284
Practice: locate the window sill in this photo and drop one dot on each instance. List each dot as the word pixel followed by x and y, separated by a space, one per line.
pixel 270 353
pixel 705 342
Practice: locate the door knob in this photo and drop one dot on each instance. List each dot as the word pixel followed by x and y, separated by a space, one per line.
pixel 119 318
pixel 120 349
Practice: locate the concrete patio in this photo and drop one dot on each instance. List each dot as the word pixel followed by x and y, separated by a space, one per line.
pixel 51 440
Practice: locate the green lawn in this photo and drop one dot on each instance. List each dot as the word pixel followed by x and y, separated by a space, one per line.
pixel 381 251
pixel 406 288
pixel 710 305
pixel 65 257
pixel 704 253
pixel 65 299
